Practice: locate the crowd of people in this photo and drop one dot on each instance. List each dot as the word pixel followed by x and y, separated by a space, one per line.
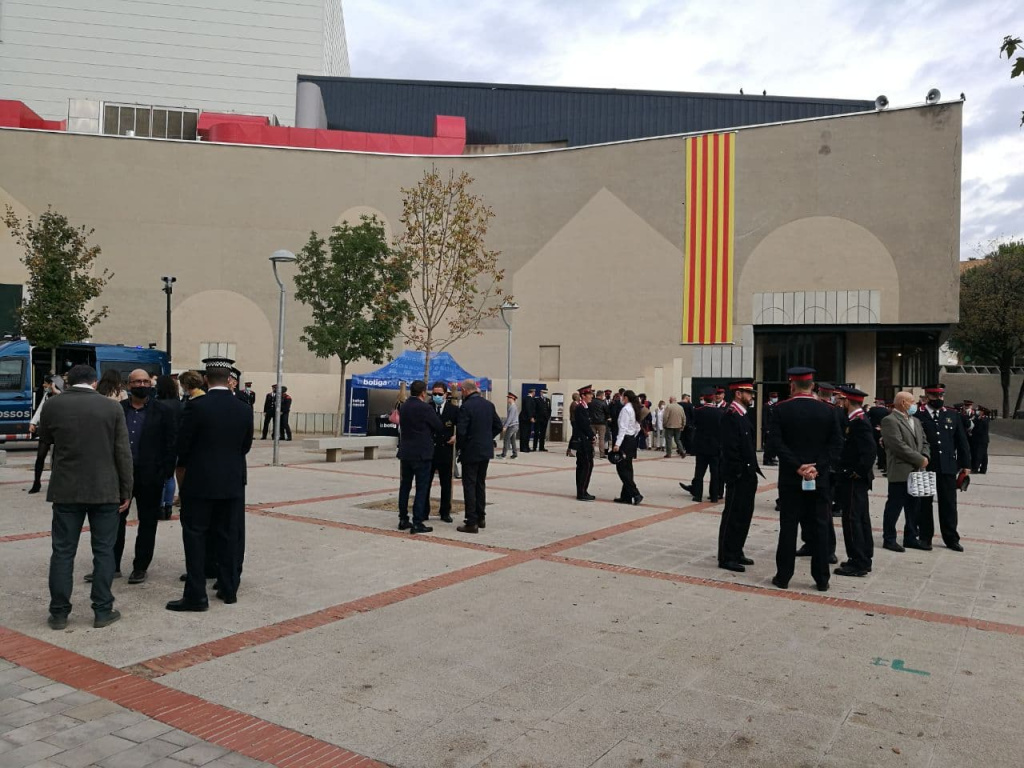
pixel 115 443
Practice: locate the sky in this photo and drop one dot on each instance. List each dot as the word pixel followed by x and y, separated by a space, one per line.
pixel 825 48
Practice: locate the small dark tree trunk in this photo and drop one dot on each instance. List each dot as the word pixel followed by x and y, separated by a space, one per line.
pixel 339 425
pixel 1004 380
pixel 1020 398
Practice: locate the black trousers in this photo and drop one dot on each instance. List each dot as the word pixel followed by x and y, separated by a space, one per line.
pixel 852 496
pixel 703 463
pixel 810 509
pixel 584 466
pixel 880 450
pixel 979 457
pixel 286 428
pixel 224 517
pixel 525 428
pixel 442 468
pixel 419 470
pixel 268 420
pixel 768 455
pixel 900 501
pixel 625 468
pixel 148 497
pixel 539 435
pixel 65 533
pixel 688 439
pixel 945 486
pixel 474 491
pixel 735 525
pixel 37 473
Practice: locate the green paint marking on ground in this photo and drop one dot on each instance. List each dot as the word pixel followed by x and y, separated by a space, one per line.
pixel 898 665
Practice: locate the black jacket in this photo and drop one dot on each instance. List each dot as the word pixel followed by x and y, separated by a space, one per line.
pixel 216 434
pixel 707 440
pixel 947 438
pixel 583 422
pixel 688 410
pixel 739 457
pixel 418 423
pixel 980 433
pixel 805 430
pixel 543 410
pixel 477 426
pixel 598 411
pixel 449 415
pixel 859 451
pixel 876 414
pixel 268 403
pixel 529 410
pixel 157 443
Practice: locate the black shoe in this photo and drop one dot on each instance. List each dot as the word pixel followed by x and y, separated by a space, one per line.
pixel 732 565
pixel 420 528
pixel 183 577
pixel 468 528
pixel 957 547
pixel 88 577
pixel 543 450
pixel 745 561
pixel 778 506
pixel 36 488
pixel 822 586
pixel 892 546
pixel 688 489
pixel 105 619
pixel 404 525
pixel 917 545
pixel 850 566
pixel 617 500
pixel 446 519
pixel 137 577
pixel 228 599
pixel 57 622
pixel 804 551
pixel 833 560
pixel 481 523
pixel 780 583
pixel 181 605
pixel 850 570
pixel 637 499
pixel 585 497
pixel 165 512
pixel 713 499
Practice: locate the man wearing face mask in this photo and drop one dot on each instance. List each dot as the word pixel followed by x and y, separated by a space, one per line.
pixel 950 454
pixel 444 447
pixel 766 420
pixel 152 432
pixel 906 451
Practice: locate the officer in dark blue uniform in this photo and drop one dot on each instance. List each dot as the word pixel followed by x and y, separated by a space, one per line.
pixel 583 431
pixel 950 454
pixel 854 475
pixel 444 448
pixel 805 436
pixel 740 471
pixel 707 449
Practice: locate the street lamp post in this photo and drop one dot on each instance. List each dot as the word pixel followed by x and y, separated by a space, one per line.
pixel 169 289
pixel 279 257
pixel 508 306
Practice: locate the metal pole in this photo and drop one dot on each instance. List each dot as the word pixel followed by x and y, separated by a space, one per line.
pixel 280 371
pixel 168 323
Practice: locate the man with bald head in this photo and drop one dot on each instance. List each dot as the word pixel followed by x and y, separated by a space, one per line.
pixel 906 451
pixel 152 432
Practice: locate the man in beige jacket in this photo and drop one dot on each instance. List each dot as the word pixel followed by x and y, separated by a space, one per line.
pixel 906 451
pixel 675 423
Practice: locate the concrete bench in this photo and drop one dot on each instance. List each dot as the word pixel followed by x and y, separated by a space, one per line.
pixel 335 445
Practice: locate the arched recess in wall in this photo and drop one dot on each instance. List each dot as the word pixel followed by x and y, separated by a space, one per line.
pixel 820 270
pixel 354 217
pixel 227 317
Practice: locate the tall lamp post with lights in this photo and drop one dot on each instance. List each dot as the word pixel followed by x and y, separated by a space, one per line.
pixel 506 307
pixel 279 257
pixel 169 289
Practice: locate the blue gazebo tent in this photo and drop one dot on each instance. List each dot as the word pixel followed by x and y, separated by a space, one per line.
pixel 409 367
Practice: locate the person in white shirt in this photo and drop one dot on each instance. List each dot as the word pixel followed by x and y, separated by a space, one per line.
pixel 625 444
pixel 54 385
pixel 658 427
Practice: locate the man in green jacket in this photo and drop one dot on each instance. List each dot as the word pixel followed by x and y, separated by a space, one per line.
pixel 906 451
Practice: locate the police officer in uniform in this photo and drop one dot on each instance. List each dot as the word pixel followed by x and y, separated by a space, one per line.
pixel 805 436
pixel 950 454
pixel 707 449
pixel 979 451
pixel 854 478
pixel 527 418
pixel 444 448
pixel 766 417
pixel 875 416
pixel 543 416
pixel 740 471
pixel 583 430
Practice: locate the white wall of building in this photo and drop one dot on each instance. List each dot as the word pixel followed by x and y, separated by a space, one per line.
pixel 220 55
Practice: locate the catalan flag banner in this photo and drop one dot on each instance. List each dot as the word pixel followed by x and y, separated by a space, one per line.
pixel 710 225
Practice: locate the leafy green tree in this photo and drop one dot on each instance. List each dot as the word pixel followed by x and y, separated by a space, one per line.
pixel 354 284
pixel 991 328
pixel 61 280
pixel 1009 47
pixel 456 280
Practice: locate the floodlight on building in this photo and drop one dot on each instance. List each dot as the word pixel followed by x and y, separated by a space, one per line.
pixel 932 96
pixel 882 102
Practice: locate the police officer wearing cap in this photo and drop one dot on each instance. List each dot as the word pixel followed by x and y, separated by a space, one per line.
pixel 766 418
pixel 854 475
pixel 805 436
pixel 233 381
pixel 444 448
pixel 543 416
pixel 216 434
pixel 740 471
pixel 586 439
pixel 707 449
pixel 950 455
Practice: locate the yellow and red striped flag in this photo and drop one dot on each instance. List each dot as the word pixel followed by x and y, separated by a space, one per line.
pixel 710 225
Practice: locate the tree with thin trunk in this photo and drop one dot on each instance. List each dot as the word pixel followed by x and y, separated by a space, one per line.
pixel 456 281
pixel 991 327
pixel 62 282
pixel 354 284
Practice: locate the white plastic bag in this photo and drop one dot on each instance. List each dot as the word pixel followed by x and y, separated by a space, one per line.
pixel 921 484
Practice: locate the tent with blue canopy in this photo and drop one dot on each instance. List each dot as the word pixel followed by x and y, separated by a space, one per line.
pixel 409 367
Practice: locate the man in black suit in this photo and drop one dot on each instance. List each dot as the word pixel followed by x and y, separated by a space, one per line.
pixel 806 438
pixel 854 476
pixel 950 454
pixel 91 478
pixel 477 427
pixel 444 448
pixel 740 471
pixel 875 416
pixel 979 452
pixel 586 437
pixel 766 420
pixel 527 420
pixel 688 429
pixel 420 427
pixel 707 448
pixel 152 432
pixel 286 410
pixel 216 434
pixel 540 426
pixel 268 410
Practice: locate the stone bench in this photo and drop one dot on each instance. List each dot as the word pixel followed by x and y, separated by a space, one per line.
pixel 335 445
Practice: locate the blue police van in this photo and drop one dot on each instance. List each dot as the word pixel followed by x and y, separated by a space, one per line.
pixel 23 369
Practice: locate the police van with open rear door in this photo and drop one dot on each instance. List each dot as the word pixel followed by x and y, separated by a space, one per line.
pixel 23 370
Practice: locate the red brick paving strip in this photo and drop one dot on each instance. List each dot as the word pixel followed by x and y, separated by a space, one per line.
pixel 213 723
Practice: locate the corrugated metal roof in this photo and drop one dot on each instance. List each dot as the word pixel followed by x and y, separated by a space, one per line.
pixel 527 114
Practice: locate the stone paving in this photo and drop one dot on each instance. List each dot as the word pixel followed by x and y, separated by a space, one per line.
pixel 565 634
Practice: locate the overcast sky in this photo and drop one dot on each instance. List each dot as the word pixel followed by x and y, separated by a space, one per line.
pixel 833 48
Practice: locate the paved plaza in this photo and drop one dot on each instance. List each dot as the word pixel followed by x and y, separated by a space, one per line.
pixel 564 634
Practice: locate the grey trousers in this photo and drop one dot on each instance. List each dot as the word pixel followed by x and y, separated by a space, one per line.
pixel 66 531
pixel 511 436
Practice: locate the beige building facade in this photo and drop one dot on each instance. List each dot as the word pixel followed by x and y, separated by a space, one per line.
pixel 846 248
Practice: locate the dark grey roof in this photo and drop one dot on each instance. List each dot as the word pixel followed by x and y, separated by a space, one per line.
pixel 527 114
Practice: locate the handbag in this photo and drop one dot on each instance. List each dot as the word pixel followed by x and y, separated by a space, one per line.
pixel 921 484
pixel 393 416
